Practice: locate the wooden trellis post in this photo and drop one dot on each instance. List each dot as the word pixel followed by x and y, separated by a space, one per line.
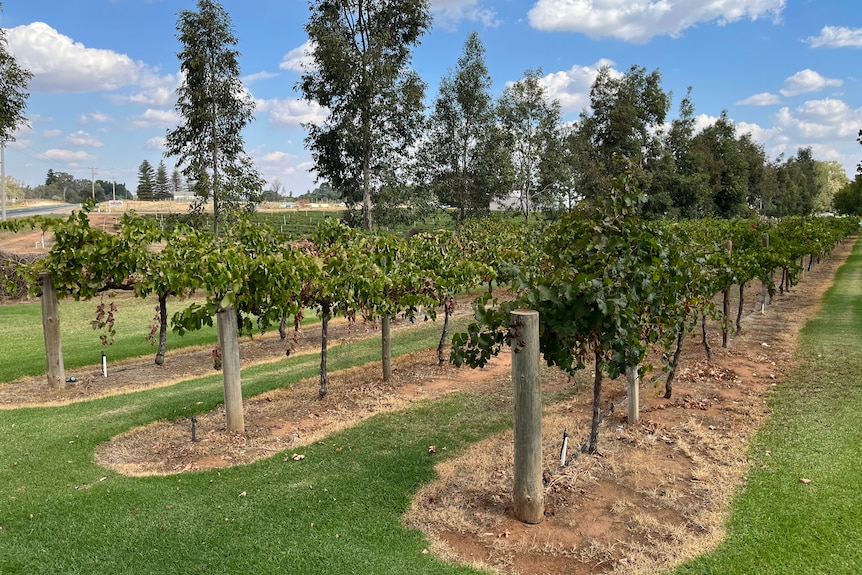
pixel 229 342
pixel 528 490
pixel 51 332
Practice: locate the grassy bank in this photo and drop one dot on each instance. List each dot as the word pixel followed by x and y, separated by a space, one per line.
pixel 336 511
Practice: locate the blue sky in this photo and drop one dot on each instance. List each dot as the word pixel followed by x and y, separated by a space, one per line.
pixel 106 70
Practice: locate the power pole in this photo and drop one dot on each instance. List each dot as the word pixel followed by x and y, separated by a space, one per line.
pixel 93 173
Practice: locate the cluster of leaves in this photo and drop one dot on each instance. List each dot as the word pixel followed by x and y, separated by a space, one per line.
pixel 609 286
pixel 105 321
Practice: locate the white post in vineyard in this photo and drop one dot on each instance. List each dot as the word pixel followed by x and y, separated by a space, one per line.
pixel 633 381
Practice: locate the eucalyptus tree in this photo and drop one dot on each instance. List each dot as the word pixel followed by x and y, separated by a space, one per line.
pixel 719 158
pixel 214 108
pixel 13 96
pixel 848 200
pixel 13 91
pixel 460 161
pixel 531 123
pixel 677 187
pixel 361 75
pixel 626 115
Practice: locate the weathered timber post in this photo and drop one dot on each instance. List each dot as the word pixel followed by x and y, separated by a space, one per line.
pixel 51 332
pixel 229 342
pixel 386 344
pixel 528 491
pixel 633 381
pixel 764 287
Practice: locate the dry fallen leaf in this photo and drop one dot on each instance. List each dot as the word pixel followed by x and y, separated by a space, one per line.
pixel 805 481
pixel 243 494
pixel 432 449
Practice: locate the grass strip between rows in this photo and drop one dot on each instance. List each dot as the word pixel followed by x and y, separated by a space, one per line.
pixel 336 511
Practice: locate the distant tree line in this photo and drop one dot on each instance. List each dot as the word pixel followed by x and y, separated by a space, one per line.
pixel 65 187
pixel 469 152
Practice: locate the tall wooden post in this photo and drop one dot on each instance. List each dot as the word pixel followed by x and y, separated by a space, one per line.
pixel 51 332
pixel 633 381
pixel 229 342
pixel 528 491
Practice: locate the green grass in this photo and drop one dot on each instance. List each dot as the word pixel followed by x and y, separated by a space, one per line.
pixel 337 511
pixel 778 524
pixel 23 351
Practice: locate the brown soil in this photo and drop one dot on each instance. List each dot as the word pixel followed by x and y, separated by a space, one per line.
pixel 657 494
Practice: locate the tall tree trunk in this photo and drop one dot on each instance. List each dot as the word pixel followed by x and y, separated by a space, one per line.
pixel 366 193
pixel 163 328
pixel 386 347
pixel 668 384
pixel 597 409
pixel 440 360
pixel 324 341
pixel 215 185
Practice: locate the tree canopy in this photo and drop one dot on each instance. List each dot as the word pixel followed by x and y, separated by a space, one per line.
pixel 214 107
pixel 361 74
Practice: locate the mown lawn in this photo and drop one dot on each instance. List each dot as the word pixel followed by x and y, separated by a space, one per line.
pixel 336 511
pixel 23 350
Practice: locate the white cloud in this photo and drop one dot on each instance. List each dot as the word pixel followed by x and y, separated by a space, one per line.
pixel 807 81
pixel 572 87
pixel 66 156
pixel 82 138
pixel 156 143
pixel 292 113
pixel 299 59
pixel 156 118
pixel 97 117
pixel 448 13
pixel 837 37
pixel 258 76
pixel 52 133
pixel 155 96
pixel 642 20
pixel 61 65
pixel 762 99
